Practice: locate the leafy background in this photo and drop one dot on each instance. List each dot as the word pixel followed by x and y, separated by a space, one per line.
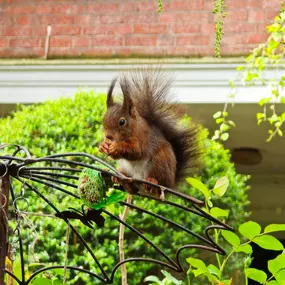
pixel 72 125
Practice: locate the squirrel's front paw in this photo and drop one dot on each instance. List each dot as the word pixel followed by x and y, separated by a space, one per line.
pixel 113 150
pixel 104 147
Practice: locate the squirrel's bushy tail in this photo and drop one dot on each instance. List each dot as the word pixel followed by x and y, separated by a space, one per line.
pixel 150 91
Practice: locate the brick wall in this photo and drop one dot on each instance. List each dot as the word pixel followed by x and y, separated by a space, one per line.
pixel 125 28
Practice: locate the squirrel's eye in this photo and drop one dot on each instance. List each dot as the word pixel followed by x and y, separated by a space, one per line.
pixel 122 122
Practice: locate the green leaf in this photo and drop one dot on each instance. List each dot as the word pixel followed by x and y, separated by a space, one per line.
pixel 250 229
pixel 272 282
pixel 198 185
pixel 218 212
pixel 153 279
pixel 224 127
pixel 221 186
pixel 224 136
pixel 42 281
pixel 232 123
pixel 277 263
pixel 217 115
pixel 282 99
pixel 256 275
pixel 231 238
pixel 274 228
pixel 219 120
pixel 246 248
pixel 268 242
pixel 280 277
pixel 199 264
pixel 171 278
pixel 214 270
pixel 260 116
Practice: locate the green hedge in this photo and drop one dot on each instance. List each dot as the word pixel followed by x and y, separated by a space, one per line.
pixel 74 124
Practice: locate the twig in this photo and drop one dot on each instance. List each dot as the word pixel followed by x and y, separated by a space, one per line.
pixel 121 241
pixel 47 42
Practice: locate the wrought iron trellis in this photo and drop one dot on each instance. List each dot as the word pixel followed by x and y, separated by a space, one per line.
pixel 50 170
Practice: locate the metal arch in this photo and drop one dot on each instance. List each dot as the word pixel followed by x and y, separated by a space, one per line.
pixel 24 171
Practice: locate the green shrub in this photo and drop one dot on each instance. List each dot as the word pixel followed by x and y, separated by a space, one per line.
pixel 74 124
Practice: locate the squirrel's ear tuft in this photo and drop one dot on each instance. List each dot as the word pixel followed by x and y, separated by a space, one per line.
pixel 128 105
pixel 110 100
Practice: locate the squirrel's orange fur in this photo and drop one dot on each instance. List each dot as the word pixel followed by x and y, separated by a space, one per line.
pixel 144 132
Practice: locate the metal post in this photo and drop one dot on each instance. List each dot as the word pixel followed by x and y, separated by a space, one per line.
pixel 4 202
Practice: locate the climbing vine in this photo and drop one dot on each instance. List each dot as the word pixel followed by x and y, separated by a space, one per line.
pixel 268 56
pixel 219 11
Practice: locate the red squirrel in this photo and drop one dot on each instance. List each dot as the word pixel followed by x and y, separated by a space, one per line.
pixel 144 133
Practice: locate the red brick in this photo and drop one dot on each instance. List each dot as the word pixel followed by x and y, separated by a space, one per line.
pixel 255 16
pixel 141 40
pixel 6 20
pixel 60 41
pixel 271 3
pixel 194 17
pixel 244 4
pixel 140 18
pixel 239 27
pixel 165 40
pixel 4 42
pixel 271 14
pixel 107 41
pixel 149 29
pixel 43 8
pixel 28 43
pixel 237 15
pixel 81 42
pixel 92 30
pixel 57 20
pixel 98 52
pixel 102 8
pixel 255 38
pixel 17 31
pixel 192 40
pixel 22 52
pixel 66 30
pixel 40 31
pixel 185 5
pixel 87 19
pixel 26 20
pixel 146 6
pixel 67 9
pixel 186 29
pixel 108 19
pixel 19 9
pixel 127 7
pixel 167 18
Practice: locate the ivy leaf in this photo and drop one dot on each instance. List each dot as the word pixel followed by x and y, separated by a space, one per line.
pixel 231 238
pixel 268 242
pixel 199 185
pixel 171 278
pixel 246 248
pixel 256 275
pixel 277 263
pixel 221 186
pixel 224 136
pixel 217 115
pixel 274 228
pixel 250 229
pixel 218 212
